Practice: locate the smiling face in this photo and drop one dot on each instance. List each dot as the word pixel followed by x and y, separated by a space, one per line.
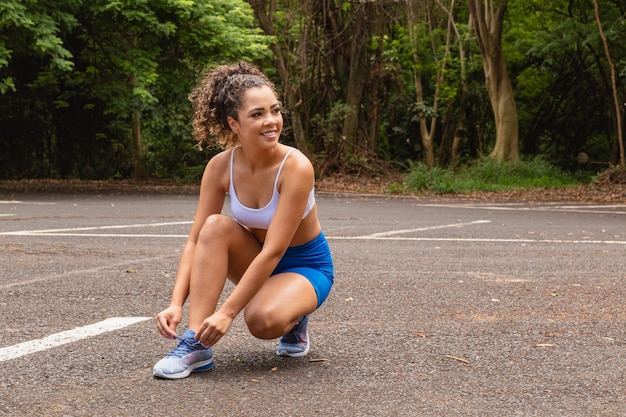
pixel 260 120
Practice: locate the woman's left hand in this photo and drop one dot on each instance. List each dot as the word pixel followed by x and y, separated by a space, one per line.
pixel 213 328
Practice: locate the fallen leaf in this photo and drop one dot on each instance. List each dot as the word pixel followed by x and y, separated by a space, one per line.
pixel 318 360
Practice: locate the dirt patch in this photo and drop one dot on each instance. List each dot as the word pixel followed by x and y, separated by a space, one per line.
pixel 609 188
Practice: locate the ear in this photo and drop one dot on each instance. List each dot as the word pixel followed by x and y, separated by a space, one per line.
pixel 233 124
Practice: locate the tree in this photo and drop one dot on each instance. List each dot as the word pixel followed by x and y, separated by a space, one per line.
pixel 34 28
pixel 429 113
pixel 143 39
pixel 487 18
pixel 32 54
pixel 616 101
pixel 119 99
pixel 324 57
pixel 290 84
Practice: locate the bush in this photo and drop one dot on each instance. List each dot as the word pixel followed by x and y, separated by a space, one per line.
pixel 488 174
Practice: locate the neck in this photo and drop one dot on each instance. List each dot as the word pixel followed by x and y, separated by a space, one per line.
pixel 256 159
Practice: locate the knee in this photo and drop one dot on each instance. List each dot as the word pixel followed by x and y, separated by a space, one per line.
pixel 215 227
pixel 264 324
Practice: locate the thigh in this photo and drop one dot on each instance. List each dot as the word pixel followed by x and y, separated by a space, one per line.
pixel 284 297
pixel 240 243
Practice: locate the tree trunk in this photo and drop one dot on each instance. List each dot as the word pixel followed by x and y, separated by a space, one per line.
pixel 616 101
pixel 425 133
pixel 291 91
pixel 379 27
pixel 137 147
pixel 356 78
pixel 487 17
pixel 459 134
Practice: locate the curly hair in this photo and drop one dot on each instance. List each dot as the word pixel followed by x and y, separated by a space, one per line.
pixel 219 96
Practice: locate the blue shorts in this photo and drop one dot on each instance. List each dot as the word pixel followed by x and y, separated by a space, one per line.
pixel 313 261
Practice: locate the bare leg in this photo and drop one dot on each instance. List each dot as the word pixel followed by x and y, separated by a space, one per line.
pixel 279 303
pixel 224 249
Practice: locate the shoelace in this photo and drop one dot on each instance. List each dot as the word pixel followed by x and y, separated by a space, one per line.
pixel 293 337
pixel 183 348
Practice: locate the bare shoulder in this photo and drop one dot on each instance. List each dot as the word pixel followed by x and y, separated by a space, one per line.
pixel 216 173
pixel 299 164
pixel 299 170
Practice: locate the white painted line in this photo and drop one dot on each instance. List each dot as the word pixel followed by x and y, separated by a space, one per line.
pixel 83 272
pixel 600 206
pixel 92 234
pixel 57 232
pixel 7 215
pixel 423 229
pixel 62 338
pixel 454 239
pixel 34 203
pixel 608 209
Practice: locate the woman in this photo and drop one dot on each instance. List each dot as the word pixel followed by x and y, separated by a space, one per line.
pixel 272 247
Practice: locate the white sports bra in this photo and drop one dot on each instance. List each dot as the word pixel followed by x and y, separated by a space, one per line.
pixel 260 218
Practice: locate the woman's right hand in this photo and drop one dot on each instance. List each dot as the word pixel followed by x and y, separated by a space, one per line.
pixel 167 321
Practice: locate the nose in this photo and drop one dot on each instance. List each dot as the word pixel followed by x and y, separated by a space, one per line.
pixel 273 118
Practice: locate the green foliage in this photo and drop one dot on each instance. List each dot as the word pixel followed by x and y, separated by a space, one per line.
pixel 34 28
pixel 328 131
pixel 89 66
pixel 488 174
pixel 72 74
pixel 436 179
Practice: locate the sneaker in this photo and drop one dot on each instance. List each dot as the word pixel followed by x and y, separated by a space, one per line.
pixel 189 356
pixel 295 343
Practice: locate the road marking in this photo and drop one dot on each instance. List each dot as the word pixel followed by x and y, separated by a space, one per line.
pixel 70 231
pixel 423 229
pixel 62 338
pixel 456 239
pixel 82 272
pixel 553 207
pixel 92 234
pixel 34 203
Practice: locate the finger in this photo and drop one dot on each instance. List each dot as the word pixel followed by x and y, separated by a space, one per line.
pixel 210 338
pixel 164 327
pixel 204 337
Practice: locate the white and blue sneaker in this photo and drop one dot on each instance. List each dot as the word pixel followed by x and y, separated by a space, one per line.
pixel 296 342
pixel 189 356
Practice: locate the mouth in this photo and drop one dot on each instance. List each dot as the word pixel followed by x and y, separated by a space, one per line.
pixel 270 133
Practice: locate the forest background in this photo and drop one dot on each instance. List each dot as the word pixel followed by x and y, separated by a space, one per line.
pixel 97 89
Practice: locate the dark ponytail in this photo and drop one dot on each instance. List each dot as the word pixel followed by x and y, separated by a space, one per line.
pixel 219 96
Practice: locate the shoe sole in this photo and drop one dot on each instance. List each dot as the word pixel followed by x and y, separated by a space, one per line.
pixel 285 353
pixel 197 367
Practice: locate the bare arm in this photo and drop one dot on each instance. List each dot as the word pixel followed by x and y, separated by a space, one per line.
pixel 211 201
pixel 295 185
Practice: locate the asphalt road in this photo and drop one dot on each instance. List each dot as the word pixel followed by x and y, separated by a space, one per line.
pixel 439 309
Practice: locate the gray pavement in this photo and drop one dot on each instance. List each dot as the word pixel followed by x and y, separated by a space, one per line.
pixel 439 309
